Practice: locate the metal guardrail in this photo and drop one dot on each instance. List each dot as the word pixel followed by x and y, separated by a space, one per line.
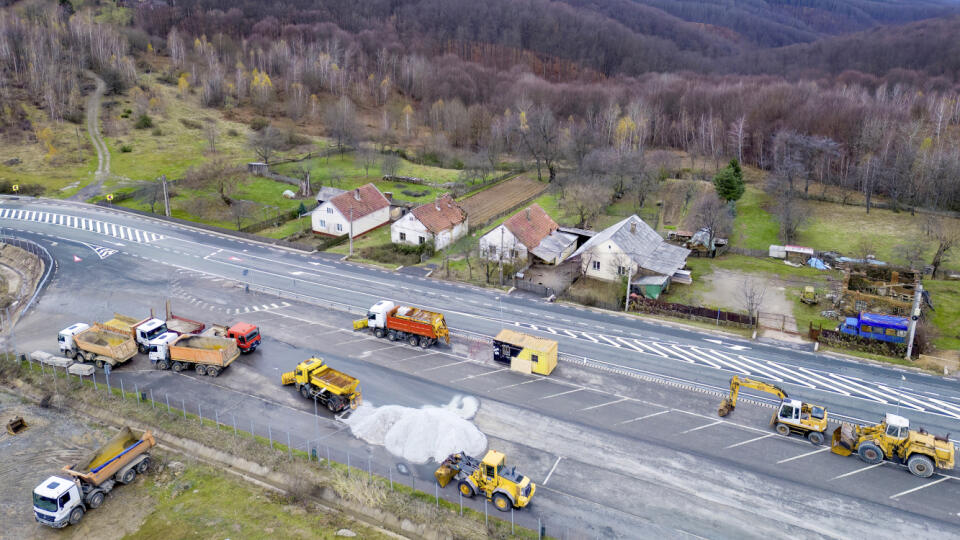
pixel 34 248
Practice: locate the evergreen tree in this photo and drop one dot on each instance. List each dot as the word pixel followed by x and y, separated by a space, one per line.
pixel 729 182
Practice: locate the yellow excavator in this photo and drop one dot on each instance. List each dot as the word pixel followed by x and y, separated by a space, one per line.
pixel 791 416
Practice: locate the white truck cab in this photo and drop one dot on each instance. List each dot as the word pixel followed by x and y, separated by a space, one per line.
pixel 57 502
pixel 148 331
pixel 159 348
pixel 377 315
pixel 65 337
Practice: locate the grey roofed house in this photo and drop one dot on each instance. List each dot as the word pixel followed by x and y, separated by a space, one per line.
pixel 553 246
pixel 325 193
pixel 646 248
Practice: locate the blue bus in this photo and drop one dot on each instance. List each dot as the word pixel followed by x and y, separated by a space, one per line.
pixel 877 326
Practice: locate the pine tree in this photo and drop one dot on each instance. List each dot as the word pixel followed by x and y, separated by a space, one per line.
pixel 729 182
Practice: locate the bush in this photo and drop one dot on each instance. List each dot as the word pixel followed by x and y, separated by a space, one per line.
pixel 415 194
pixel 126 148
pixel 232 132
pixel 191 124
pixel 258 123
pixel 169 78
pixel 31 190
pixel 144 122
pixel 115 81
pixel 156 132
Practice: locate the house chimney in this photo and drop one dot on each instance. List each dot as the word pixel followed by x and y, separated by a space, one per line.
pixel 528 214
pixel 436 203
pixel 356 194
pixel 633 227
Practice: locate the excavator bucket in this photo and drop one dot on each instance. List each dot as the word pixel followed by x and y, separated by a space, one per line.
pixel 447 470
pixel 726 407
pixel 843 441
pixel 288 378
pixel 360 324
pixel 16 425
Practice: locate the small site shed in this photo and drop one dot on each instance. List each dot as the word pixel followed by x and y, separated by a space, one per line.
pixel 525 353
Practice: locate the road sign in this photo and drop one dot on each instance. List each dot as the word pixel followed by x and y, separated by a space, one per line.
pixel 109 196
pixel 16 188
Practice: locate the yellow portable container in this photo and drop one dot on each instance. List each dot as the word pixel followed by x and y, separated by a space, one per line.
pixel 525 353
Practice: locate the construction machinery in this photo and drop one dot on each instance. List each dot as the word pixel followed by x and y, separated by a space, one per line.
pixel 809 296
pixel 204 354
pixel 17 425
pixel 893 439
pixel 791 415
pixel 62 500
pixel 246 335
pixel 314 379
pixel 143 331
pixel 98 343
pixel 405 323
pixel 490 477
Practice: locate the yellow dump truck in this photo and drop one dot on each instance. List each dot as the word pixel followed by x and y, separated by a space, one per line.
pixel 98 343
pixel 206 355
pixel 315 379
pixel 62 500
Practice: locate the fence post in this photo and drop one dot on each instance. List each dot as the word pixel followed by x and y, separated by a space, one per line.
pixel 136 390
pixel 513 529
pixel 289 449
pixel 200 412
pixel 166 397
pixel 270 434
pixel 216 416
pixel 234 425
pixel 152 402
pixel 436 493
pixel 253 434
pixel 328 458
pixel 123 394
pixel 461 501
pixel 390 472
pixel 183 405
pixel 93 376
pixel 486 517
pixel 348 463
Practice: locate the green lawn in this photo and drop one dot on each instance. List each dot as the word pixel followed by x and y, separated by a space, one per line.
pixel 945 296
pixel 754 227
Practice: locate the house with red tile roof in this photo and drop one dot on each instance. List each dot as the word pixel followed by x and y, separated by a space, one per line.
pixel 531 233
pixel 352 212
pixel 442 221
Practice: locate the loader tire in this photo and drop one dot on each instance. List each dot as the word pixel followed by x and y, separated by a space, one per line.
pixel 95 500
pixel 200 369
pixel 177 367
pixel 920 465
pixel 502 502
pixel 870 453
pixel 76 515
pixel 465 489
pixel 783 429
pixel 378 332
pixel 413 340
pixel 815 437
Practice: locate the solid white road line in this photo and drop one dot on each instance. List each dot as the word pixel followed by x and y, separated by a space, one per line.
pixel 701 427
pixel 824 449
pixel 665 411
pixel 549 474
pixel 480 375
pixel 860 470
pixel 907 492
pixel 734 445
pixel 603 404
pixel 561 393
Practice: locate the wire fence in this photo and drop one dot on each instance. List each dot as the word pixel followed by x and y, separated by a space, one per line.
pixel 319 445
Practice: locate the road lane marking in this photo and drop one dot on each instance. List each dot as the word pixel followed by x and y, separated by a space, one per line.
pixel 734 445
pixel 549 474
pixel 561 393
pixel 522 383
pixel 860 470
pixel 441 366
pixel 918 488
pixel 604 404
pixel 480 375
pixel 817 451
pixel 644 417
pixel 701 427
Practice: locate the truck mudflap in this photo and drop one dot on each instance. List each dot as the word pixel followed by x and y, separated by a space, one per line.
pixel 288 378
pixel 360 324
pixel 844 440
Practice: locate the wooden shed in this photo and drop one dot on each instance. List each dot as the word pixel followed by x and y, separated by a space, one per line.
pixel 525 353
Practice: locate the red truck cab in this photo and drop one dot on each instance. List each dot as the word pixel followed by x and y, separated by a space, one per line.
pixel 246 335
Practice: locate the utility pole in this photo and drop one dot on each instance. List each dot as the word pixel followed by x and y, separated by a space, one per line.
pixel 166 196
pixel 500 258
pixel 351 232
pixel 914 315
pixel 626 297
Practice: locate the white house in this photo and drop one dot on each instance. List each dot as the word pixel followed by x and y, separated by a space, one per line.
pixel 442 221
pixel 630 247
pixel 529 232
pixel 365 206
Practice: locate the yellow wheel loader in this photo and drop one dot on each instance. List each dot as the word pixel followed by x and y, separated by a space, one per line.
pixel 490 476
pixel 791 416
pixel 893 439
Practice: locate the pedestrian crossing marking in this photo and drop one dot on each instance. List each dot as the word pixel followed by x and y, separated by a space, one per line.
pixel 122 232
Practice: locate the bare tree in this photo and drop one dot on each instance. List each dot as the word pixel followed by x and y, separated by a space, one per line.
pixel 466 250
pixel 211 132
pixel 266 142
pixel 389 164
pixel 945 233
pixel 367 158
pixel 585 201
pixel 864 249
pixel 241 210
pixel 751 295
pixel 910 254
pixel 712 213
pixel 217 174
pixel 540 136
pixel 342 125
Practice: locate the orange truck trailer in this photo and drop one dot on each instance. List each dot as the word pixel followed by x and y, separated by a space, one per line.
pixel 405 323
pixel 205 354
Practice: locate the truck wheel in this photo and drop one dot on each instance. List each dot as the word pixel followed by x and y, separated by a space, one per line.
pixel 213 371
pixel 76 515
pixel 143 466
pixel 200 369
pixel 502 502
pixel 163 365
pixel 334 405
pixel 99 362
pixel 95 500
pixel 378 332
pixel 412 340
pixel 177 366
pixel 141 348
pixel 128 476
pixel 305 392
pixel 920 465
pixel 783 429
pixel 392 335
pixel 870 453
pixel 465 489
pixel 815 437
pixel 425 342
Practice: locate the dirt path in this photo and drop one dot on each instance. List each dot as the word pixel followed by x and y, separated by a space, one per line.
pixel 93 130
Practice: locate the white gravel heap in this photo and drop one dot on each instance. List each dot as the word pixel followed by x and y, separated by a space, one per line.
pixel 419 435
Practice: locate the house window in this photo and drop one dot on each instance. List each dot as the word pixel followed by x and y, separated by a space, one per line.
pixel 596 265
pixel 422 240
pixel 403 236
pixel 621 270
pixel 534 358
pixel 339 227
pixel 323 224
pixel 329 209
pixel 513 254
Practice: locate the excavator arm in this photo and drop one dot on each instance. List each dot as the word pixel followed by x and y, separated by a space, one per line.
pixel 730 403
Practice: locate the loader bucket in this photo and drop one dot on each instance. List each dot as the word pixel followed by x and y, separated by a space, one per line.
pixel 288 378
pixel 360 324
pixel 726 407
pixel 837 444
pixel 444 474
pixel 17 425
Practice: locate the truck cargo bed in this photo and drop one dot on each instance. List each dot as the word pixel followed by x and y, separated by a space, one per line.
pixel 104 462
pixel 204 350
